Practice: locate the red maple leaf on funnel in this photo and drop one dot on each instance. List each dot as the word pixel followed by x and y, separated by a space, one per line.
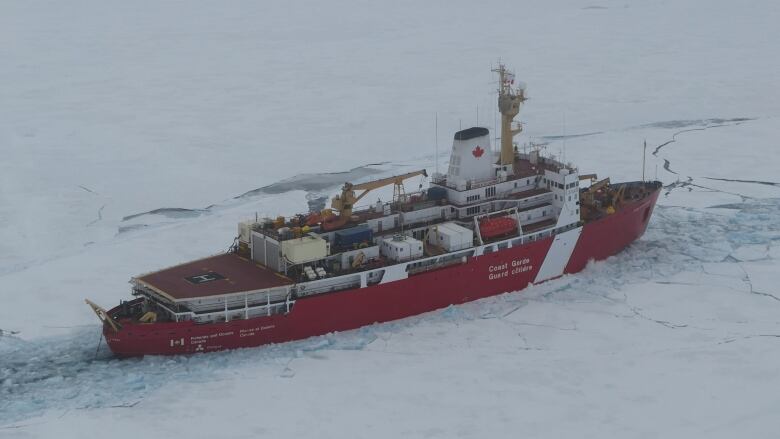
pixel 477 152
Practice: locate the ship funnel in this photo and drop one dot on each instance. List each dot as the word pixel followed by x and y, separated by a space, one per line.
pixel 471 157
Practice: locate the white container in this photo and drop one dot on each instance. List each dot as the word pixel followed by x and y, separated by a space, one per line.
pixel 368 253
pixel 305 249
pixel 245 230
pixel 400 249
pixel 450 236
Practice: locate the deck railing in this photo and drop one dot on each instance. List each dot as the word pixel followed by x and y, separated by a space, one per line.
pixel 227 314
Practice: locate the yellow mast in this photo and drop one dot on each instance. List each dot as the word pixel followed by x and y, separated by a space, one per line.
pixel 510 99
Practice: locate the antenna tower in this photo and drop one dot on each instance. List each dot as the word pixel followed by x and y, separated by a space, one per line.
pixel 510 99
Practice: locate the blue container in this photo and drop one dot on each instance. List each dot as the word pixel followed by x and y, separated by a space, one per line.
pixel 354 235
pixel 436 193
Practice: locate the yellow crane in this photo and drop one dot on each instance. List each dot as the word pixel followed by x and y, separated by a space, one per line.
pixel 344 202
pixel 588 195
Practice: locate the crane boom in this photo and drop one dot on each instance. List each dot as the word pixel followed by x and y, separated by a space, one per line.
pixel 344 202
pixel 397 179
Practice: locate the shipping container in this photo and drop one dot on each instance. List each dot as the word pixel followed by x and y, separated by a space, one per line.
pixel 436 193
pixel 245 230
pixel 305 249
pixel 354 236
pixel 450 236
pixel 369 253
pixel 401 248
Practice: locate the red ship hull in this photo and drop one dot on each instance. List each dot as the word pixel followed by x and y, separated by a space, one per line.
pixel 487 275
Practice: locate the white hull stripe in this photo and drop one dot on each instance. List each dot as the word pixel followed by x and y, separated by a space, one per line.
pixel 558 255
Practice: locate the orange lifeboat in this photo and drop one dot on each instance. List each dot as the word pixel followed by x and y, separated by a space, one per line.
pixel 494 227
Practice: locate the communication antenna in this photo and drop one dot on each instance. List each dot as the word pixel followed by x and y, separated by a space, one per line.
pixel 563 153
pixel 644 155
pixel 436 137
pixel 496 137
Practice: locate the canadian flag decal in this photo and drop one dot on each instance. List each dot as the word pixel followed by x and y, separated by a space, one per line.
pixel 477 152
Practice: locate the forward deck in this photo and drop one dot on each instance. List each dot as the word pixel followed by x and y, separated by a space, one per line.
pixel 213 276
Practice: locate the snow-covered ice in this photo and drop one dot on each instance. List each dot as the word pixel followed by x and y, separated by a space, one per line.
pixel 135 135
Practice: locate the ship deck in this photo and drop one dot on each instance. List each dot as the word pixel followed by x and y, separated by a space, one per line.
pixel 213 276
pixel 533 227
pixel 524 168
